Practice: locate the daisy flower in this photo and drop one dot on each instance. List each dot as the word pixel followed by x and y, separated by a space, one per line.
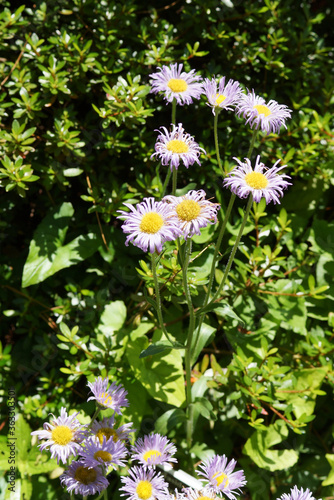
pixel 149 225
pixel 171 147
pixel 106 427
pixel 225 96
pixel 221 477
pixel 193 211
pixel 83 481
pixel 177 84
pixel 267 116
pixel 261 181
pixel 153 450
pixel 144 484
pixel 108 453
pixel 64 435
pixel 108 397
pixel 296 494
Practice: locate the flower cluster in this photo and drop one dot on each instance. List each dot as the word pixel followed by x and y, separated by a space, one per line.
pixel 101 447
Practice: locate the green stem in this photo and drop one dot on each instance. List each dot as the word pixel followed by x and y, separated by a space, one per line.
pixel 191 329
pixel 169 173
pixel 174 111
pixel 215 132
pixel 97 411
pixel 174 181
pixel 222 228
pixel 235 247
pixel 157 296
pixel 251 146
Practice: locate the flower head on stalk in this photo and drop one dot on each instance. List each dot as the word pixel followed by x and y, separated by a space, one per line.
pixel 296 494
pixel 106 428
pixel 220 476
pixel 205 493
pixel 64 435
pixel 149 225
pixel 268 116
pixel 225 96
pixel 153 450
pixel 172 147
pixel 144 484
pixel 106 396
pixel 193 211
pixel 108 453
pixel 83 480
pixel 261 181
pixel 177 84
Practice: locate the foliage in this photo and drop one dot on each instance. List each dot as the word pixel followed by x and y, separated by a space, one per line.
pixel 76 134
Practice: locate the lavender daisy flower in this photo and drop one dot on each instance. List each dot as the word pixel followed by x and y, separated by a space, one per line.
pixel 144 484
pixel 226 96
pixel 108 453
pixel 203 494
pixel 177 84
pixel 193 211
pixel 150 224
pixel 221 477
pixel 108 397
pixel 83 481
pixel 64 435
pixel 267 116
pixel 171 147
pixel 153 450
pixel 296 494
pixel 261 181
pixel 106 428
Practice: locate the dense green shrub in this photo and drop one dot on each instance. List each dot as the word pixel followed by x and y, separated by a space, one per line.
pixel 77 129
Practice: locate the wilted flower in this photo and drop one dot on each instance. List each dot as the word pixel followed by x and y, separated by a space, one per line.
pixel 177 84
pixel 261 181
pixel 106 427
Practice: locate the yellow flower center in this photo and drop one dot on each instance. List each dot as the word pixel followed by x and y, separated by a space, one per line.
pixel 256 180
pixel 177 146
pixel 204 498
pixel 188 210
pixel 151 223
pixel 144 490
pixel 105 455
pixel 221 478
pixel 220 98
pixel 105 399
pixel 151 454
pixel 85 475
pixel 62 435
pixel 262 109
pixel 177 85
pixel 108 433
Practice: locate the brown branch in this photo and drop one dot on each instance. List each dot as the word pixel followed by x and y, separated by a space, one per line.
pixel 15 64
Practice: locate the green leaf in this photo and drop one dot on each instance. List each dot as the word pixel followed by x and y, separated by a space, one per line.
pixel 169 420
pixel 47 254
pixel 161 375
pixel 330 477
pixel 207 333
pixel 259 448
pixel 156 348
pixel 112 318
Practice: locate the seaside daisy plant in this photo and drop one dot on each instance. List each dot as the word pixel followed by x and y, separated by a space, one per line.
pixel 221 95
pixel 175 146
pixel 108 396
pixel 153 450
pixel 144 484
pixel 108 453
pixel 193 211
pixel 177 84
pixel 63 436
pixel 260 181
pixel 219 475
pixel 149 225
pixel 267 116
pixel 296 494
